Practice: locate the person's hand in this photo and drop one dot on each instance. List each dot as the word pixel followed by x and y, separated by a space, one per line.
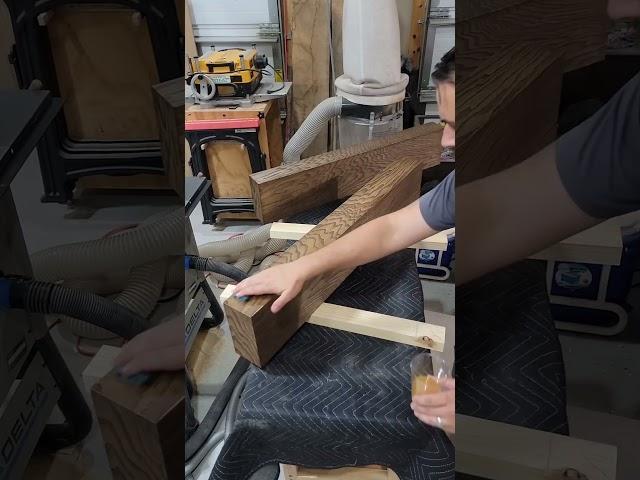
pixel 159 348
pixel 285 280
pixel 438 409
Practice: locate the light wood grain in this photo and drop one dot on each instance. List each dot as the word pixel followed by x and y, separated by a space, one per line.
pixel 601 244
pixel 139 425
pixel 416 34
pixel 371 324
pixel 295 231
pixel 503 452
pixel 190 47
pixel 372 472
pixel 336 35
pixel 229 168
pixel 309 67
pixel 510 105
pixel 257 333
pixel 105 85
pixel 290 189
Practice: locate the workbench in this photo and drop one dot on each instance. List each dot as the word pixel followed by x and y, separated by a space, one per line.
pixel 228 160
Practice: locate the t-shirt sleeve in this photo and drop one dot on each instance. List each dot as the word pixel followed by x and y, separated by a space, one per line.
pixel 438 206
pixel 599 160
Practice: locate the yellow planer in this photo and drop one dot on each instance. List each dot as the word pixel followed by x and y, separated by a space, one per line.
pixel 233 72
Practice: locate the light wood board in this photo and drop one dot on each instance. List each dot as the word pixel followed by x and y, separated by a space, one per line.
pixel 601 244
pixel 309 68
pixel 372 472
pixel 295 231
pixel 416 33
pixel 371 324
pixel 499 451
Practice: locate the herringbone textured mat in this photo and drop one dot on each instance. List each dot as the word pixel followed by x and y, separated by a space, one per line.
pixel 509 364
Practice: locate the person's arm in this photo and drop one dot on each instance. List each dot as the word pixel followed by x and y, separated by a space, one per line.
pixel 513 214
pixel 161 348
pixel 590 174
pixel 376 239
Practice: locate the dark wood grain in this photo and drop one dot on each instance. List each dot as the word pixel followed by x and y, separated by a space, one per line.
pixel 290 189
pixel 510 107
pixel 142 426
pixel 168 99
pixel 257 333
pixel 576 29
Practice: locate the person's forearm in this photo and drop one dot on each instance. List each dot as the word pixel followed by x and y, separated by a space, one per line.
pixel 376 239
pixel 363 245
pixel 509 216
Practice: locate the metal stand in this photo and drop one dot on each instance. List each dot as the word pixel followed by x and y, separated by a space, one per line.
pixel 244 131
pixel 33 374
pixel 62 160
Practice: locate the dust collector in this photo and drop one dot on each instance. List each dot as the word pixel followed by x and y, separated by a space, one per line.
pixel 370 92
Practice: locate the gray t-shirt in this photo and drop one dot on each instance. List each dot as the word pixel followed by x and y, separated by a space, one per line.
pixel 438 206
pixel 599 160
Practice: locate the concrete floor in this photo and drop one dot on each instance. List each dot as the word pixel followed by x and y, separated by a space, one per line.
pixel 602 373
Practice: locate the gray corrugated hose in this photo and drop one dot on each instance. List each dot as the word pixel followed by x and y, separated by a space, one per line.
pixel 141 296
pixel 308 131
pixel 145 244
pixel 235 246
pixel 47 298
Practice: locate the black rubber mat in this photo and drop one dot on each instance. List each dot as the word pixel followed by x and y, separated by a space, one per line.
pixel 509 365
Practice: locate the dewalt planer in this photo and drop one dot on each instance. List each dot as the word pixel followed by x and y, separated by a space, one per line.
pixel 233 72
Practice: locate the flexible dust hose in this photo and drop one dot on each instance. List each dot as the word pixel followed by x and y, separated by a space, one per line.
pixel 268 262
pixel 47 298
pixel 204 264
pixel 216 437
pixel 244 264
pixel 140 295
pixel 234 405
pixel 144 288
pixel 233 247
pixel 174 277
pixel 272 246
pixel 209 422
pixel 145 244
pixel 209 445
pixel 308 131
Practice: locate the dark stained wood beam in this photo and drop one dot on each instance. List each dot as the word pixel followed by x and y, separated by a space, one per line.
pixel 257 333
pixel 290 189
